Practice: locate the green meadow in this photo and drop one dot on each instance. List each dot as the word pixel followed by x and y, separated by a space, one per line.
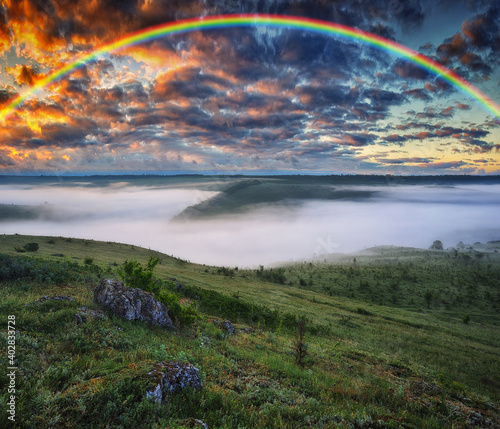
pixel 394 337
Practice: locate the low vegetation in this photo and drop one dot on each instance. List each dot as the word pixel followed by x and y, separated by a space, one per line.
pixel 326 347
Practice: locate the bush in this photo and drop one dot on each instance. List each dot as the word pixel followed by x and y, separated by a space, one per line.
pixel 88 261
pixel 135 275
pixel 274 275
pixel 44 271
pixel 31 247
pixel 184 315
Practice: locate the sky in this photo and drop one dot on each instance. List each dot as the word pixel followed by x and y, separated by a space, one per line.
pixel 248 100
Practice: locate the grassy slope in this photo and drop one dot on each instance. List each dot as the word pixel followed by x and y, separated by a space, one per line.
pixel 371 365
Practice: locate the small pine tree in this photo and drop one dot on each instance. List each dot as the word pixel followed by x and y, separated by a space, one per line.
pixel 299 346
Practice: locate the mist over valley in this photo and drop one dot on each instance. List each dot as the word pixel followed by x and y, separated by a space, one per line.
pixel 246 222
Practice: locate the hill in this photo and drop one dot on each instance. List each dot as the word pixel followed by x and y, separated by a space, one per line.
pixel 246 195
pixel 396 338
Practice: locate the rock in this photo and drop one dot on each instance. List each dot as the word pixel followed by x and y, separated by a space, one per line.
pixel 132 304
pixel 226 325
pixel 84 315
pixel 179 287
pixel 229 327
pixel 55 298
pixel 194 423
pixel 170 377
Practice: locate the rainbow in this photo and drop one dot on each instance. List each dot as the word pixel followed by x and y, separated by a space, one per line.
pixel 279 21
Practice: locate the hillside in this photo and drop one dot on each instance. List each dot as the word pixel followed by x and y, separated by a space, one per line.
pixel 246 195
pixel 396 338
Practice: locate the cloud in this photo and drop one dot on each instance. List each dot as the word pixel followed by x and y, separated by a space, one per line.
pixel 418 93
pixel 414 160
pixel 476 47
pixel 406 69
pixel 6 94
pixel 24 74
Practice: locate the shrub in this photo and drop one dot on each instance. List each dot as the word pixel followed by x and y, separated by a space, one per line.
pixel 466 319
pixel 88 261
pixel 31 247
pixel 274 275
pixel 184 315
pixel 135 275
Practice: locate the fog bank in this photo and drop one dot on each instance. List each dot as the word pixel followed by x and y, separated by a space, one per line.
pixel 404 216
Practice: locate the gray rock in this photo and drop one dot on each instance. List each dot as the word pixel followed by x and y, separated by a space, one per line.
pixel 170 377
pixel 179 287
pixel 226 325
pixel 55 298
pixel 85 314
pixel 132 304
pixel 229 327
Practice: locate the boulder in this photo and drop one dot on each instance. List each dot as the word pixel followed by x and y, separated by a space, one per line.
pixel 170 377
pixel 132 304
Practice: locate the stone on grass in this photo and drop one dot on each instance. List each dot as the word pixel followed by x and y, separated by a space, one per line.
pixel 226 325
pixel 132 304
pixel 85 315
pixel 171 377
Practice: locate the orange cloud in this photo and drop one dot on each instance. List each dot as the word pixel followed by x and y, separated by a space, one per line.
pixel 24 74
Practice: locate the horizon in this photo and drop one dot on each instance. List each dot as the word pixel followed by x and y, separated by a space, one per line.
pixel 241 173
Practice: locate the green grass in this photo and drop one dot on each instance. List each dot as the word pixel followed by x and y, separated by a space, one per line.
pixel 371 362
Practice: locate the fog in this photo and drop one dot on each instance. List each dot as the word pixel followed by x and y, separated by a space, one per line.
pixel 405 216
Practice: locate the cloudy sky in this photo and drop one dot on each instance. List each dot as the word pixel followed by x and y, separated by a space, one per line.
pixel 249 100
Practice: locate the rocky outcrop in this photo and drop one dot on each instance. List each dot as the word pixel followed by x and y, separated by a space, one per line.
pixel 132 304
pixel 170 377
